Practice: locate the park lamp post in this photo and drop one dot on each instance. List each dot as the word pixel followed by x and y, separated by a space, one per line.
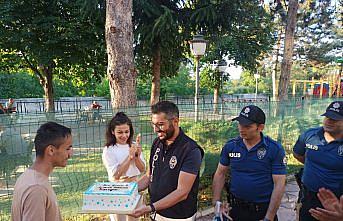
pixel 221 67
pixel 256 76
pixel 198 48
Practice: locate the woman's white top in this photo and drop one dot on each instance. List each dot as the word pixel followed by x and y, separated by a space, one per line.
pixel 114 155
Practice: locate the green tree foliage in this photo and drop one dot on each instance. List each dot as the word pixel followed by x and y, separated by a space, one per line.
pixel 50 35
pixel 25 85
pixel 9 61
pixel 319 35
pixel 143 87
pixel 19 85
pixel 211 79
pixel 239 30
pixel 236 29
pixel 157 24
pixel 247 84
pixel 102 89
pixel 159 39
pixel 179 85
pixel 317 38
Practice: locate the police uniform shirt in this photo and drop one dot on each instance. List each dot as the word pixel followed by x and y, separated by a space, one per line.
pixel 166 163
pixel 252 170
pixel 323 161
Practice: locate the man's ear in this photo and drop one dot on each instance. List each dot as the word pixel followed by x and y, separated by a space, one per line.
pixel 260 127
pixel 49 150
pixel 176 120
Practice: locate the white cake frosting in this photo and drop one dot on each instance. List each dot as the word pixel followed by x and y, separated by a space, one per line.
pixel 111 197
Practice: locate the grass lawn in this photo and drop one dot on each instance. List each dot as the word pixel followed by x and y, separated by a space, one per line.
pixel 70 182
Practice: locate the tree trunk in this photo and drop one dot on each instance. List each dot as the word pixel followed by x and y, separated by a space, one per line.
pixel 156 79
pixel 44 74
pixel 215 99
pixel 119 41
pixel 275 71
pixel 48 91
pixel 288 50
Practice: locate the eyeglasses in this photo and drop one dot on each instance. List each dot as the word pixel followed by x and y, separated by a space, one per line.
pixel 161 125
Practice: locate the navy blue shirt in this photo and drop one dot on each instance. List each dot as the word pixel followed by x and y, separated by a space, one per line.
pixel 323 161
pixel 252 170
pixel 166 163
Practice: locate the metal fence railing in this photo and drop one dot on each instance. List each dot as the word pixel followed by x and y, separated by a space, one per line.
pixel 285 121
pixel 74 104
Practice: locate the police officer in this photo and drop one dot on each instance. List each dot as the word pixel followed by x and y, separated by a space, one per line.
pixel 173 176
pixel 257 167
pixel 321 151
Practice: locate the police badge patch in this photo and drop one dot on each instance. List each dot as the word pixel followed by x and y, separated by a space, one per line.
pixel 336 105
pixel 247 110
pixel 172 162
pixel 340 151
pixel 261 152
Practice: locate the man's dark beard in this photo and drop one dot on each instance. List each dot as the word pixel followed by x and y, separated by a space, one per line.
pixel 169 133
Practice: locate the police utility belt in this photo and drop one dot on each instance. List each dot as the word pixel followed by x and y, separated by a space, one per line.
pixel 251 206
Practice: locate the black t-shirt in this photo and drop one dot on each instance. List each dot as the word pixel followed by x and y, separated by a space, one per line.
pixel 166 163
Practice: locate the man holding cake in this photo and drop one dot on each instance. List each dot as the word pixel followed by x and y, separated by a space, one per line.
pixel 173 175
pixel 33 196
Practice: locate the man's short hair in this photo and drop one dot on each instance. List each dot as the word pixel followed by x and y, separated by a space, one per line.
pixel 50 133
pixel 167 107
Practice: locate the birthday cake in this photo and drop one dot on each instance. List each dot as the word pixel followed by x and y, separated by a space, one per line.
pixel 111 197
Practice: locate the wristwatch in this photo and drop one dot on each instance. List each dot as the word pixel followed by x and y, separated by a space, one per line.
pixel 152 207
pixel 266 219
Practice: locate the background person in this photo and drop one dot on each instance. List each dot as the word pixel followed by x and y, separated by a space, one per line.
pixel 95 108
pixel 123 160
pixel 10 108
pixel 95 105
pixel 10 103
pixel 33 196
pixel 321 151
pixel 257 167
pixel 173 176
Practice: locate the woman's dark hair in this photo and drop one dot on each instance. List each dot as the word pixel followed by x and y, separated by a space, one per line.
pixel 50 133
pixel 119 119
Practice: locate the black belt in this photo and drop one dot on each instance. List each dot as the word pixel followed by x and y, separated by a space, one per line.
pixel 308 194
pixel 256 207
